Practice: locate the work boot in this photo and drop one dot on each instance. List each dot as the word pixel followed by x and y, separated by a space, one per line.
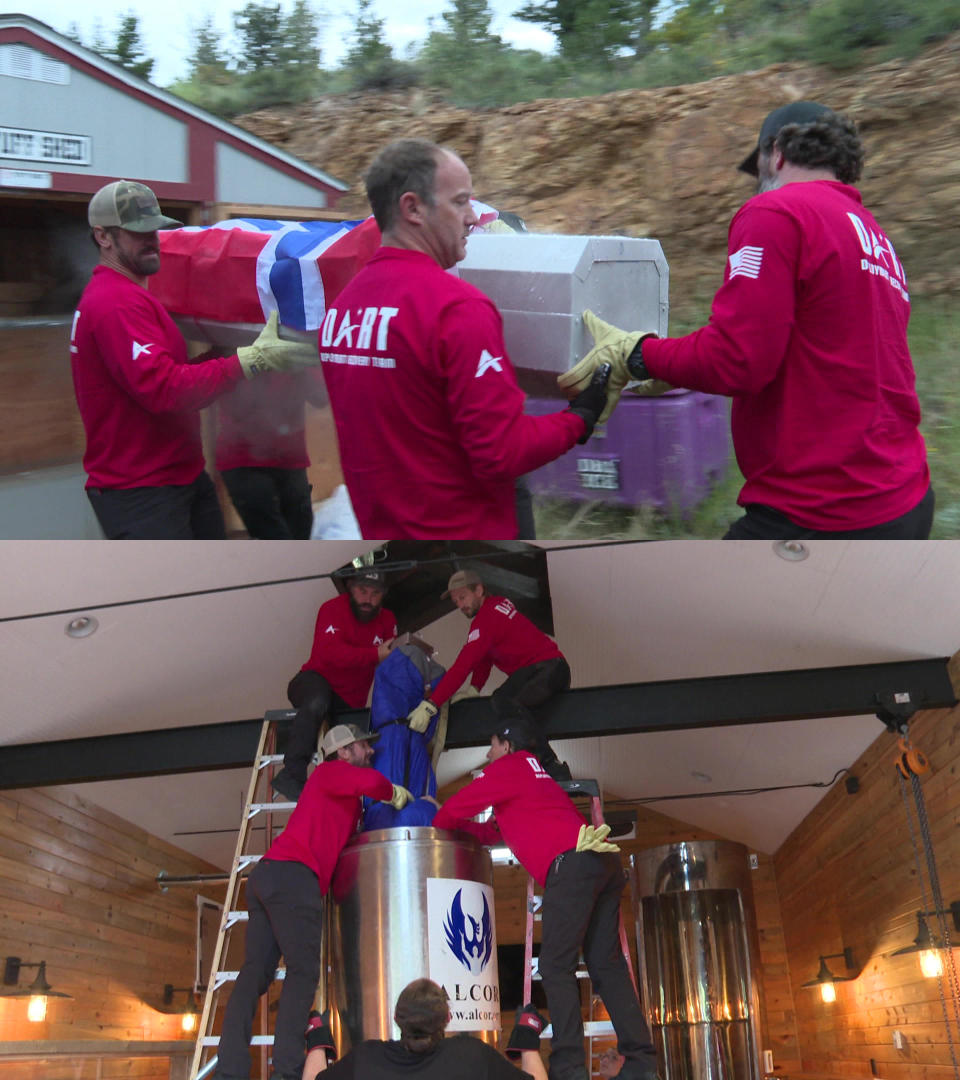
pixel 287 785
pixel 552 766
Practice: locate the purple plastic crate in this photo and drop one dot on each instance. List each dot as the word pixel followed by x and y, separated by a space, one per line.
pixel 666 452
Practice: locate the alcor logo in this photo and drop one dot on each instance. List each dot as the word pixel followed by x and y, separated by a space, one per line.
pixel 470 939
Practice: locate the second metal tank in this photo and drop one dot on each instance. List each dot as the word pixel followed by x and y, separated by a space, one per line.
pixel 695 925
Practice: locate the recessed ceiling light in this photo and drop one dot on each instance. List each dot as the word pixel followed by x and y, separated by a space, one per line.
pixel 791 550
pixel 704 778
pixel 81 626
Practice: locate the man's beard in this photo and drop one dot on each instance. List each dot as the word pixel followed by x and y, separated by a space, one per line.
pixel 363 616
pixel 766 180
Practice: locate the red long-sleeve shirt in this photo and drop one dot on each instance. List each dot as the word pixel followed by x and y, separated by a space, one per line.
pixel 137 393
pixel 499 637
pixel 429 416
pixel 345 649
pixel 261 423
pixel 534 815
pixel 808 335
pixel 326 816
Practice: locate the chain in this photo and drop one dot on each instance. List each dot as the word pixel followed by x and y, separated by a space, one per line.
pixel 938 908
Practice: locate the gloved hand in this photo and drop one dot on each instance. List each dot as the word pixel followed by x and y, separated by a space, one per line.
pixel 270 353
pixel 400 797
pixel 612 346
pixel 468 691
pixel 595 839
pixel 590 403
pixel 526 1032
pixel 319 1035
pixel 419 719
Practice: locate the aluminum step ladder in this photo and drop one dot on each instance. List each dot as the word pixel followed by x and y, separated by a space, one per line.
pixel 258 803
pixel 592 1028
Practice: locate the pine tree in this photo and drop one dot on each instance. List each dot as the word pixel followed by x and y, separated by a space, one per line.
pixel 128 51
pixel 369 57
pixel 593 30
pixel 261 30
pixel 468 22
pixel 301 29
pixel 208 61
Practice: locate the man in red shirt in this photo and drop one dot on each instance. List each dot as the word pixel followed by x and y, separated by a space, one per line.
pixel 262 454
pixel 428 412
pixel 138 394
pixel 285 902
pixel 582 882
pixel 353 633
pixel 808 335
pixel 501 637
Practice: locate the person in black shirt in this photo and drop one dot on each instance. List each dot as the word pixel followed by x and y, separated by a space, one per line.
pixel 422 1014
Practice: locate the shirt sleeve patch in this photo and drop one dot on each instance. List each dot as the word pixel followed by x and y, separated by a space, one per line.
pixel 473 635
pixel 746 262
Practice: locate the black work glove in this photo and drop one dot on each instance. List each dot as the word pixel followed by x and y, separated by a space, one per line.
pixel 526 1032
pixel 591 402
pixel 319 1036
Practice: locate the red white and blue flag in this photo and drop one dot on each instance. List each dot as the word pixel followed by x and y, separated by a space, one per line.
pixel 243 269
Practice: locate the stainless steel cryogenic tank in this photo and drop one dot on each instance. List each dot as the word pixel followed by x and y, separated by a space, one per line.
pixel 409 903
pixel 696 926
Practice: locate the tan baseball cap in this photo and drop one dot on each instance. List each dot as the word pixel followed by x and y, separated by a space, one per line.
pixel 130 205
pixel 462 579
pixel 342 735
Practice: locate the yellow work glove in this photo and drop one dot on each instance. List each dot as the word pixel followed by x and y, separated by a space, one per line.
pixel 611 346
pixel 595 839
pixel 269 352
pixel 468 691
pixel 419 719
pixel 400 797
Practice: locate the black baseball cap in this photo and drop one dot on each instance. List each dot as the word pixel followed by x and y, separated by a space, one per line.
pixel 797 112
pixel 368 577
pixel 518 731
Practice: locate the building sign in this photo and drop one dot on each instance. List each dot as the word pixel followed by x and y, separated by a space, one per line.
pixel 463 951
pixel 25 178
pixel 50 146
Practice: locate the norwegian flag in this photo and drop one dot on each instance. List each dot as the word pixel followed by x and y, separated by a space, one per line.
pixel 243 269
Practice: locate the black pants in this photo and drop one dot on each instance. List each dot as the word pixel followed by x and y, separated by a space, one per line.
pixel 313 698
pixel 175 512
pixel 527 691
pixel 286 918
pixel 581 909
pixel 274 504
pixel 761 523
pixel 526 523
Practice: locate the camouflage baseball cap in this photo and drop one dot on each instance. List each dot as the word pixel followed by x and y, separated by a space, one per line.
pixel 130 205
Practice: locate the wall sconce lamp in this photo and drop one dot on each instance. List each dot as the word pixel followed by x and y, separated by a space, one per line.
pixel 928 945
pixel 38 991
pixel 190 1015
pixel 825 977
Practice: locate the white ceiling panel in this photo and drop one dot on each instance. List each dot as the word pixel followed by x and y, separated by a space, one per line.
pixel 623 613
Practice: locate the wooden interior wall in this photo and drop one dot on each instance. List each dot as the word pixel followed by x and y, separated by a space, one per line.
pixel 77 890
pixel 777 1027
pixel 847 878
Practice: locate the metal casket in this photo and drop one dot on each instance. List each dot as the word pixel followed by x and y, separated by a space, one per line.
pixel 542 282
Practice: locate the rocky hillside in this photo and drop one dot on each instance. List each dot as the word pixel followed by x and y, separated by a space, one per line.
pixel 662 163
